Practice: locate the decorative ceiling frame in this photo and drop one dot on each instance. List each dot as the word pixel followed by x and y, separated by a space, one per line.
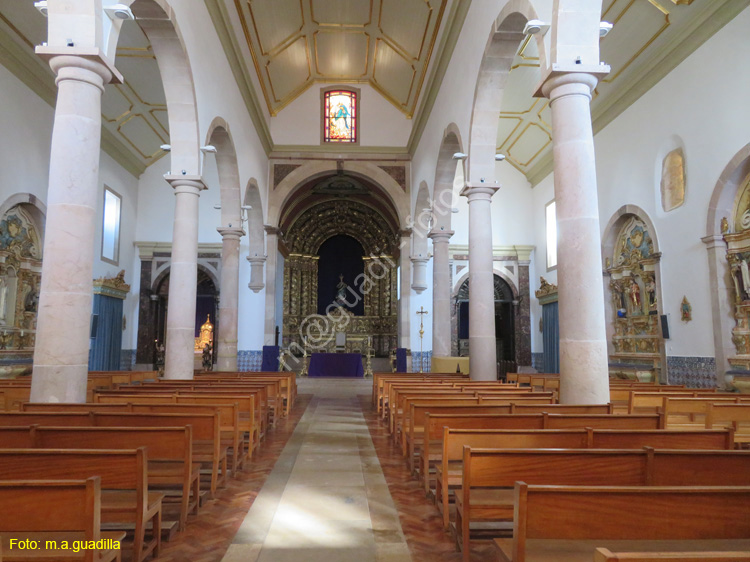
pixel 222 20
pixel 296 43
pixel 707 18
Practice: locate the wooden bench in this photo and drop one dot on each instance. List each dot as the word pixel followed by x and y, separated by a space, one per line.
pixel 605 555
pixel 54 510
pixel 489 475
pixel 124 483
pixel 736 416
pixel 170 464
pixel 449 468
pixel 624 518
pixel 647 402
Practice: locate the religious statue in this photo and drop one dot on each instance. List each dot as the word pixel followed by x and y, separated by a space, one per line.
pixel 635 296
pixel 651 292
pixel 207 358
pixel 745 272
pixel 206 334
pixel 31 302
pixel 724 225
pixel 341 291
pixel 3 300
pixel 686 311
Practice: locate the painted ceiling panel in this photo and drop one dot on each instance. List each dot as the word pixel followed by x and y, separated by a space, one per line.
pixel 342 54
pixel 387 43
pixel 341 12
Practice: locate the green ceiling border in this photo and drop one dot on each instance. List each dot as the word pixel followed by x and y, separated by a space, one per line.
pixel 713 17
pixel 454 24
pixel 223 26
pixel 28 69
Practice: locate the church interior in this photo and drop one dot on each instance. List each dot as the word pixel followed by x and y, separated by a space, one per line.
pixel 375 280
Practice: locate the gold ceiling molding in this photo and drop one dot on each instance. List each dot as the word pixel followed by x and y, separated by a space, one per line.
pixel 296 43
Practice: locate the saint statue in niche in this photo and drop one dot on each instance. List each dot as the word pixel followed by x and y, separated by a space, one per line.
pixel 341 288
pixel 635 297
pixel 651 292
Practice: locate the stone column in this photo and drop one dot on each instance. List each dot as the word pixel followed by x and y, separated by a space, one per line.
pixel 404 321
pixel 482 347
pixel 722 308
pixel 419 273
pixel 583 338
pixel 226 348
pixel 61 353
pixel 441 293
pixel 179 362
pixel 256 273
pixel 272 256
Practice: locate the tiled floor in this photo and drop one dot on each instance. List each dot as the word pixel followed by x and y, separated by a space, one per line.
pixel 326 485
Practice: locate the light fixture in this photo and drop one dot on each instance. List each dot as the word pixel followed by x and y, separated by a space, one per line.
pixel 166 147
pixel 42 7
pixel 460 156
pixel 217 206
pixel 604 28
pixel 534 27
pixel 119 12
pixel 209 148
pixel 245 207
pixel 499 157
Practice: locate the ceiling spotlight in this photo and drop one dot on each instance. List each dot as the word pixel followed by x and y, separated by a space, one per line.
pixel 604 28
pixel 460 156
pixel 246 207
pixel 209 148
pixel 534 27
pixel 166 147
pixel 119 12
pixel 42 7
pixel 499 157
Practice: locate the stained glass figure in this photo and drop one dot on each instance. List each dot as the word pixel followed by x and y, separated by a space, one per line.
pixel 340 116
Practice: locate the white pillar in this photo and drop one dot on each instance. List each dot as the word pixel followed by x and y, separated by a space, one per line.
pixel 61 353
pixel 584 368
pixel 226 348
pixel 482 347
pixel 419 273
pixel 441 293
pixel 404 321
pixel 272 253
pixel 256 273
pixel 183 278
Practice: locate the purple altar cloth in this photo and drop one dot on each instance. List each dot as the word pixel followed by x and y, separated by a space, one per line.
pixel 336 365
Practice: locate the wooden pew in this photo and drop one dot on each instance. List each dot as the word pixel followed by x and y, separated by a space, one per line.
pixel 594 517
pixel 54 510
pixel 449 467
pixel 645 402
pixel 736 416
pixel 170 464
pixel 606 555
pixel 124 483
pixel 489 475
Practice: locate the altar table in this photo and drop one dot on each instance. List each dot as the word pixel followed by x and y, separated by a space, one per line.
pixel 336 365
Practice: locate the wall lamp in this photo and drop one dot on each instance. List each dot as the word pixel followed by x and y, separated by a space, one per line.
pixel 119 12
pixel 460 156
pixel 533 27
pixel 42 7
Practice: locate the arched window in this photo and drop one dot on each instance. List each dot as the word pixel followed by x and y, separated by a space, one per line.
pixel 340 116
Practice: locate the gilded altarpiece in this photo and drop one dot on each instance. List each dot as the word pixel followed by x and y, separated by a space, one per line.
pixel 20 277
pixel 378 285
pixel 632 272
pixel 737 237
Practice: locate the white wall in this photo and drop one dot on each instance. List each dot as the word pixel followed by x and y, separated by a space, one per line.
pixel 703 102
pixel 27 122
pixel 381 124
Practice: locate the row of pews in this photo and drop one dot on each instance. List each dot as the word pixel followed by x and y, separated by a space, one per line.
pixel 128 468
pixel 657 474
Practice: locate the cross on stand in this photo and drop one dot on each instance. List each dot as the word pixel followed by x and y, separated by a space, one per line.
pixel 421 313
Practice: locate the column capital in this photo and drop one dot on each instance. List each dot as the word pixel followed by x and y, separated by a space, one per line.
pixel 230 233
pixel 273 230
pixel 405 232
pixel 563 74
pixel 186 183
pixel 440 235
pixel 419 259
pixel 88 58
pixel 256 259
pixel 714 241
pixel 479 191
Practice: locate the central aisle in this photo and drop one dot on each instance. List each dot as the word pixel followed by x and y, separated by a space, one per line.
pixel 326 498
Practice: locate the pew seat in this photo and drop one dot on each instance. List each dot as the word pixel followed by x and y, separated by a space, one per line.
pixel 606 555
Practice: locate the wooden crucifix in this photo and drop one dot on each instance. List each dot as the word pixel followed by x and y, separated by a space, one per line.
pixel 421 313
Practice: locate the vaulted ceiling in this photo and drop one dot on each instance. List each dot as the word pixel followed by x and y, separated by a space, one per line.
pixel 385 43
pixel 649 38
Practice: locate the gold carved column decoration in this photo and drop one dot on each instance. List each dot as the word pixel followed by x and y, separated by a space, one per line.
pixel 737 237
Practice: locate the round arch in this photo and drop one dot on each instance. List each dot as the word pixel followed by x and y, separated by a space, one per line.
pixel 220 137
pixel 506 35
pixel 443 193
pixel 305 173
pixel 421 217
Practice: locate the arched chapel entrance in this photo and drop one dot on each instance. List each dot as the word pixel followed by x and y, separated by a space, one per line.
pixel 341 241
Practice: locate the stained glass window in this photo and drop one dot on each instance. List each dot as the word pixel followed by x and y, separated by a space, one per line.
pixel 340 116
